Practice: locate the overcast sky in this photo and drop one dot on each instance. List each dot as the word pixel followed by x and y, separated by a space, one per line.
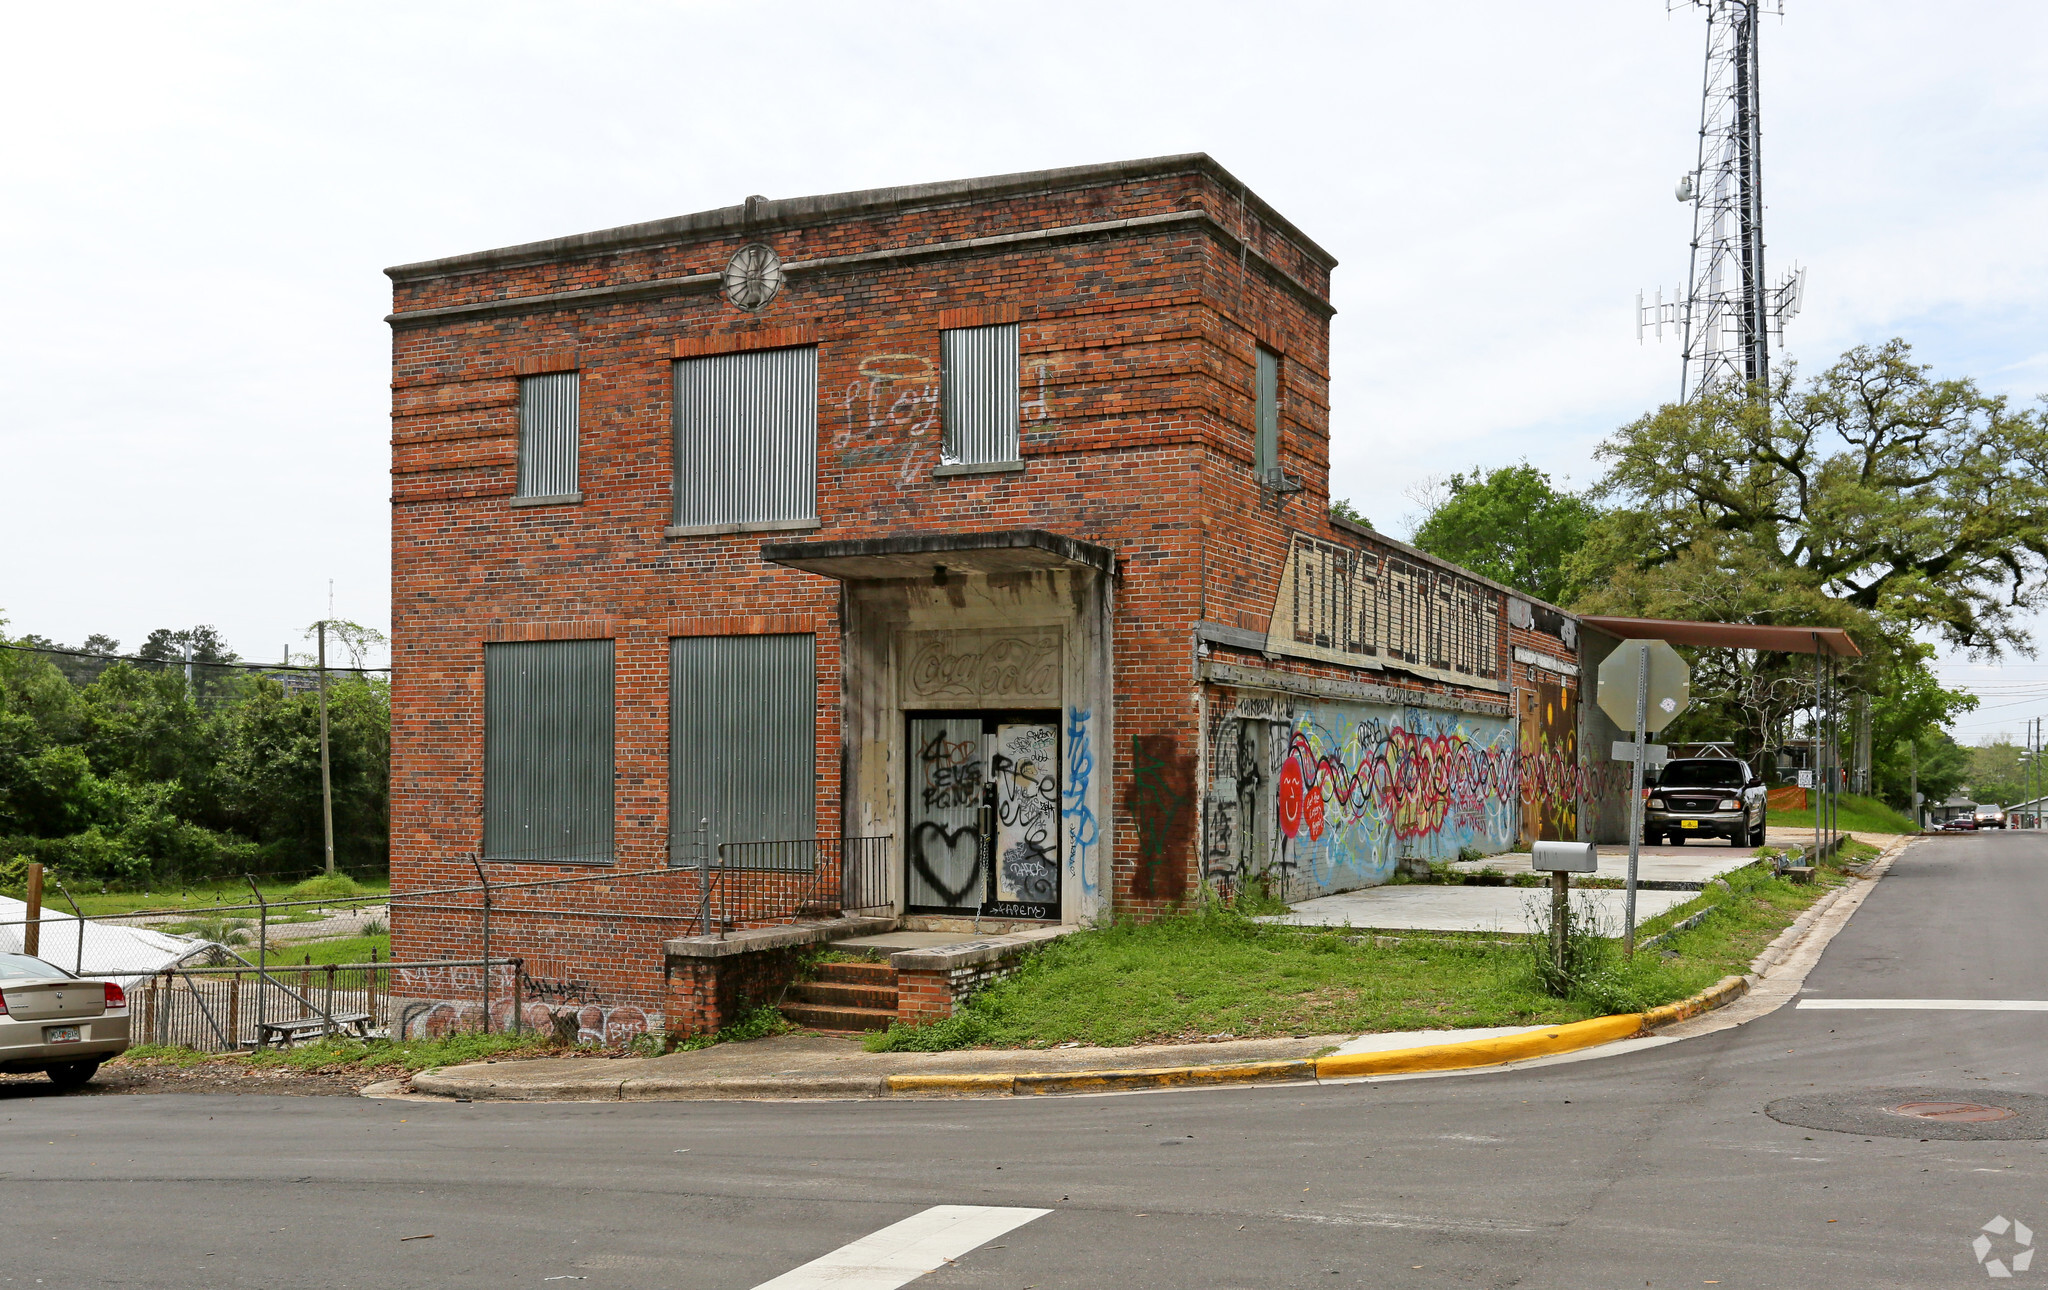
pixel 197 202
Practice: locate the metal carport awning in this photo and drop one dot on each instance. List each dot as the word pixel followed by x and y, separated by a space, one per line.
pixel 1788 640
pixel 923 555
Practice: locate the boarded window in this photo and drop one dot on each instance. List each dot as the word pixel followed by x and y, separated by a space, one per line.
pixel 978 370
pixel 742 740
pixel 548 751
pixel 547 435
pixel 1266 448
pixel 746 429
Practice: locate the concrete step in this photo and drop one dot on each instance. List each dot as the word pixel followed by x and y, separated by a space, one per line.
pixel 839 994
pixel 818 1017
pixel 880 974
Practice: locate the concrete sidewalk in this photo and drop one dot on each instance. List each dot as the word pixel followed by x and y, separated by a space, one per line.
pixel 830 1066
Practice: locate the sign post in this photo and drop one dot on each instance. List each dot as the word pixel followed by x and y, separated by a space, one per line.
pixel 1644 684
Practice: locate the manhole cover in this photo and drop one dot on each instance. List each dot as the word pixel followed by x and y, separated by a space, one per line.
pixel 1936 1114
pixel 1955 1112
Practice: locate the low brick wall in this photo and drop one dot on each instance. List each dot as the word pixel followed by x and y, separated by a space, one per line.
pixel 931 984
pixel 713 981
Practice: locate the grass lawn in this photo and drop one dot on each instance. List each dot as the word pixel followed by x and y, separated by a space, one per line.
pixel 1854 815
pixel 203 896
pixel 339 949
pixel 1215 974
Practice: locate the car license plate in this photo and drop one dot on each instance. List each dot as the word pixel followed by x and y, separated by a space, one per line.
pixel 1688 824
pixel 61 1034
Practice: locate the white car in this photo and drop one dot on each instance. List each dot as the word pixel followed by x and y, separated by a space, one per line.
pixel 57 1023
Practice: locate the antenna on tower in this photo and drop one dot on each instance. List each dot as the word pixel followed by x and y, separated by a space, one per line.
pixel 1728 317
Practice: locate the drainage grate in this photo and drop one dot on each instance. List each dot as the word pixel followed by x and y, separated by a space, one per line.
pixel 1936 1114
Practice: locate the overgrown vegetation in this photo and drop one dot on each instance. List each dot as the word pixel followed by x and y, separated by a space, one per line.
pixel 1214 973
pixel 362 1055
pixel 1854 814
pixel 130 774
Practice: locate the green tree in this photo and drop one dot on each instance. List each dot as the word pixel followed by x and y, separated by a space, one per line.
pixel 1341 508
pixel 1510 524
pixel 1923 502
pixel 270 769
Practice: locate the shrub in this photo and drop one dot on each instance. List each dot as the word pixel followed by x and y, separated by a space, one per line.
pixel 327 886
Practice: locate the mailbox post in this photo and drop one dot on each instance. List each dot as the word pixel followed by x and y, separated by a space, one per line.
pixel 1562 859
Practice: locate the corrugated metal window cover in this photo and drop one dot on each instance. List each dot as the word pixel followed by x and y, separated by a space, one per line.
pixel 742 740
pixel 1266 449
pixel 548 751
pixel 547 434
pixel 746 437
pixel 978 374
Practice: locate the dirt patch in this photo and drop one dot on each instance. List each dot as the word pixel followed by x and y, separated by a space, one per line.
pixel 203 1077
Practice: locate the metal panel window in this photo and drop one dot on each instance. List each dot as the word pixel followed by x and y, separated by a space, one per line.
pixel 742 739
pixel 547 435
pixel 548 751
pixel 1266 447
pixel 746 430
pixel 978 371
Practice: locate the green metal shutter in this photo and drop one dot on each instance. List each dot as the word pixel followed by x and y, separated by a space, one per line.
pixel 1267 448
pixel 742 739
pixel 548 751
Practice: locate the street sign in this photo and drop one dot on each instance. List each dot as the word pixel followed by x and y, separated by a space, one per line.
pixel 1625 750
pixel 1670 688
pixel 1806 781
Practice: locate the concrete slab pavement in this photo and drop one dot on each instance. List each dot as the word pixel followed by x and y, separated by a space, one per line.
pixel 1429 907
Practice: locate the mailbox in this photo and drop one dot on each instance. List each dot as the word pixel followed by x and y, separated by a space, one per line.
pixel 1565 857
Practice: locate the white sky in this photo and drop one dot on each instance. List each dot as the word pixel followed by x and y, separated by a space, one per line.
pixel 196 202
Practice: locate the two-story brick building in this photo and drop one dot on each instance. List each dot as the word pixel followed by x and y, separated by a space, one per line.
pixel 990 518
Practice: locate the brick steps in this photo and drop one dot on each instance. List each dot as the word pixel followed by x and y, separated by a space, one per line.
pixel 845 996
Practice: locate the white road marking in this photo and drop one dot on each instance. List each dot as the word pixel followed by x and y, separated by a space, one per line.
pixel 1937 1005
pixel 902 1252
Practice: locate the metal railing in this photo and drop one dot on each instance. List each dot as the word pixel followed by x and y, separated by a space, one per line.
pixel 225 1009
pixel 757 884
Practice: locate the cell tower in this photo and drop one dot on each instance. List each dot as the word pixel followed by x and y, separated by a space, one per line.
pixel 1728 317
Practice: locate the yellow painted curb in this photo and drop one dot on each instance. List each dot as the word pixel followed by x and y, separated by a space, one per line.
pixel 1543 1041
pixel 1002 1083
pixel 1718 995
pixel 1165 1077
pixel 1483 1052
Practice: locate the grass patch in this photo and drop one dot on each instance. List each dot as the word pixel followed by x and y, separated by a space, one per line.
pixel 202 897
pixel 338 949
pixel 1855 814
pixel 1213 973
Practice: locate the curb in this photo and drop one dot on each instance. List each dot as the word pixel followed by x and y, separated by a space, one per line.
pixel 1471 1054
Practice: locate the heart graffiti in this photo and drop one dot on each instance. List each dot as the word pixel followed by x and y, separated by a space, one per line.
pixel 930 841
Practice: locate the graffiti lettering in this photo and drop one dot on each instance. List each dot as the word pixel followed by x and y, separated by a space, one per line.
pixel 1027 802
pixel 952 771
pixel 1082 833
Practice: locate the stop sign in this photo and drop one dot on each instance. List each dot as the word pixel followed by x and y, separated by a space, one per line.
pixel 1670 684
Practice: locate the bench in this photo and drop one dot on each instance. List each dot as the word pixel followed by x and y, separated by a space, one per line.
pixel 285 1033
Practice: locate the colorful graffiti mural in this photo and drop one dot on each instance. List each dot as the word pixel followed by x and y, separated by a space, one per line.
pixel 1551 777
pixel 1356 786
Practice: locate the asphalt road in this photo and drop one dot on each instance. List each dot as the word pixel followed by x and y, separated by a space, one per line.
pixel 1658 1168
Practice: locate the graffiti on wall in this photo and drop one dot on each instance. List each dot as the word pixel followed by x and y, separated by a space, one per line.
pixel 1161 805
pixel 988 669
pixel 575 1011
pixel 1549 770
pixel 1082 831
pixel 1027 802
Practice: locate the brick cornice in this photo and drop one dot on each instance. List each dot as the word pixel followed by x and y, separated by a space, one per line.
pixel 686 283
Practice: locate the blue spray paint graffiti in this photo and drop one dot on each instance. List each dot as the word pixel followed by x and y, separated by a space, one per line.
pixel 1082 833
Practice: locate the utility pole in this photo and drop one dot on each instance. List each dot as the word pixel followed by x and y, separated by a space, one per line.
pixel 326 776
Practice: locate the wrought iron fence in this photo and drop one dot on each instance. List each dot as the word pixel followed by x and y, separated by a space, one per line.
pixel 755 884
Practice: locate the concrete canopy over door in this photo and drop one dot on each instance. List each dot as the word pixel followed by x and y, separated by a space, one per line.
pixel 1010 621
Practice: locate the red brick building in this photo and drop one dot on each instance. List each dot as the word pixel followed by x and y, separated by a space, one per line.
pixel 990 518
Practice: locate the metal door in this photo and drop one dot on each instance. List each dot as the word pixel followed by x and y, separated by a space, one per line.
pixel 984 814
